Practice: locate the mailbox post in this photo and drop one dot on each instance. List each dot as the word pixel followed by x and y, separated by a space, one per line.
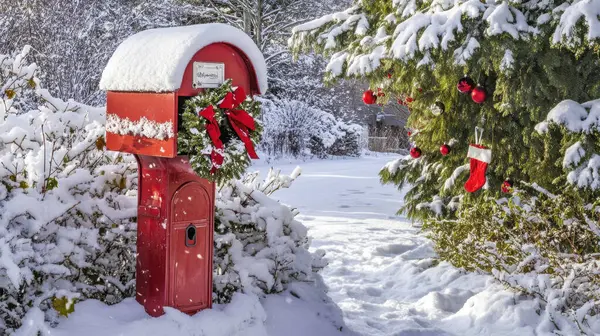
pixel 148 79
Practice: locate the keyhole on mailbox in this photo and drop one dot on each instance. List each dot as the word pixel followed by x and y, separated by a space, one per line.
pixel 190 234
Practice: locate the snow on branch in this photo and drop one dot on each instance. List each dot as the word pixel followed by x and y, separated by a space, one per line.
pixel 580 158
pixel 574 116
pixel 417 27
pixel 572 16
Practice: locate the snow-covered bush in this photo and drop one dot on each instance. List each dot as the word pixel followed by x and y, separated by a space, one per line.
pixel 546 246
pixel 66 205
pixel 292 127
pixel 259 247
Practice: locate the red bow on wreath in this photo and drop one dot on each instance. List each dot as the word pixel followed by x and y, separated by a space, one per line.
pixel 212 128
pixel 241 122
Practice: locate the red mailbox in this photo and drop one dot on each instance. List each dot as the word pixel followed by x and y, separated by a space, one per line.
pixel 148 79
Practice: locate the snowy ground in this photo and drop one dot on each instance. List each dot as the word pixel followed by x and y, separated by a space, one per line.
pixel 382 274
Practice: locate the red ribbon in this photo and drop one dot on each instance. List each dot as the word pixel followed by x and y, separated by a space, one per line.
pixel 212 128
pixel 240 120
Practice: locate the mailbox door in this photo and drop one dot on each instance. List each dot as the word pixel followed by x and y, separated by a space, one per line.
pixel 191 248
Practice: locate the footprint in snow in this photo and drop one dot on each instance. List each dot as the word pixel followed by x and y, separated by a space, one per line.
pixel 372 291
pixel 344 206
pixel 377 229
pixel 394 249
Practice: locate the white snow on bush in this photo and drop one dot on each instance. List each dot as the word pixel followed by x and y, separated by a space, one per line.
pixel 294 128
pixel 66 228
pixel 155 60
pixel 143 127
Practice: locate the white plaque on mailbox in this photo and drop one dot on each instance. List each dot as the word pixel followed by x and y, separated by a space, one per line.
pixel 208 75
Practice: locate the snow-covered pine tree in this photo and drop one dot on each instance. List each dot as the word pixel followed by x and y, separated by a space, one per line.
pixel 533 59
pixel 528 56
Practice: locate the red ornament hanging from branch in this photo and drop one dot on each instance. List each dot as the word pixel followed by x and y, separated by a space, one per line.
pixel 465 84
pixel 369 97
pixel 479 95
pixel 415 152
pixel 445 149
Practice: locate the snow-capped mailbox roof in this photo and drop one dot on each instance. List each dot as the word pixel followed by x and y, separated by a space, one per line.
pixel 155 60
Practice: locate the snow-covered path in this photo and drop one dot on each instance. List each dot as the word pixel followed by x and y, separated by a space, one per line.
pixel 382 272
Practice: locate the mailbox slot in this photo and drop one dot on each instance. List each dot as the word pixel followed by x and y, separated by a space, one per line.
pixel 190 236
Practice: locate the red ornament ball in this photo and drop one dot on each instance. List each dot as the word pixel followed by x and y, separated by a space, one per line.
pixel 389 75
pixel 415 152
pixel 409 99
pixel 465 85
pixel 478 94
pixel 445 149
pixel 409 133
pixel 369 97
pixel 506 186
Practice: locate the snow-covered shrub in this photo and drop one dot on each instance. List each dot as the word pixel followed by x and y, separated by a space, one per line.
pixel 259 247
pixel 546 246
pixel 67 206
pixel 292 127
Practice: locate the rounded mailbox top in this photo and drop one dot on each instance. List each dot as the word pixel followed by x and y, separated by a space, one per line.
pixel 155 60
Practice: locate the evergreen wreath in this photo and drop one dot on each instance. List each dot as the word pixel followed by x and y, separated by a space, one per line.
pixel 219 131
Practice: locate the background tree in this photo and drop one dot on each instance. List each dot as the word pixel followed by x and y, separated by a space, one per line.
pixel 73 40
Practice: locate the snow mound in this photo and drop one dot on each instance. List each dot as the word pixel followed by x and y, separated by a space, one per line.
pixel 155 60
pixel 246 315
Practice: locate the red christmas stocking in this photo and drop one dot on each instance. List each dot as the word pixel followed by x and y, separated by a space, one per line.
pixel 480 158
